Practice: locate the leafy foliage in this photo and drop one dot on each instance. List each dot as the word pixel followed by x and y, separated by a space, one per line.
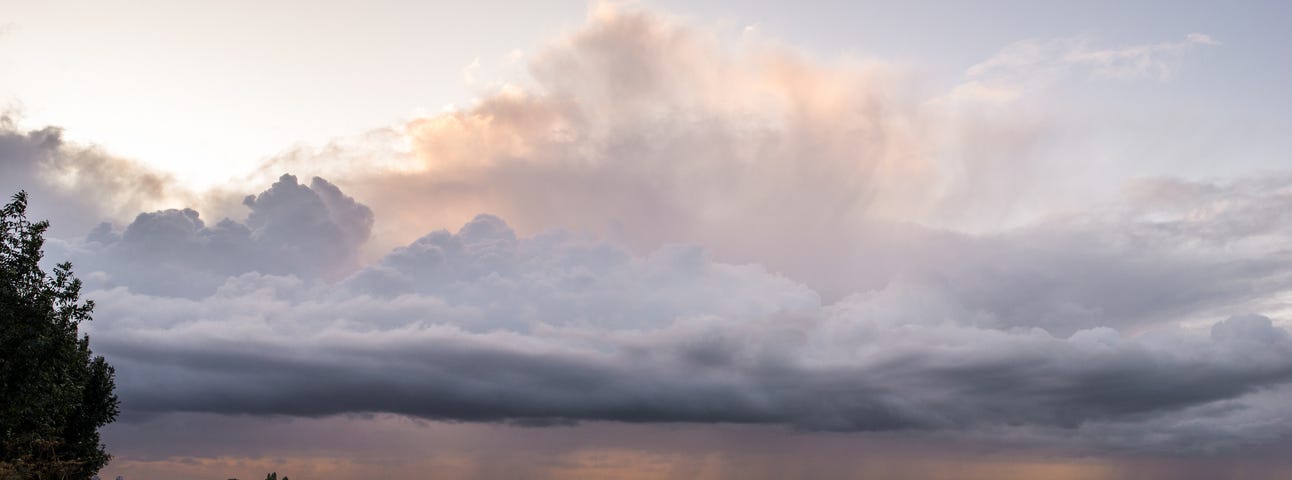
pixel 54 393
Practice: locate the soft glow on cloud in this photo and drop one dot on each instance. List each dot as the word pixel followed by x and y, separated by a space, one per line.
pixel 647 130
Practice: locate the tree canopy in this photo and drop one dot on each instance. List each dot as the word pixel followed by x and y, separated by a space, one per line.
pixel 55 392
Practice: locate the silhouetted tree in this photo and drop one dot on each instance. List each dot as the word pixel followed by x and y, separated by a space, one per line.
pixel 54 393
pixel 273 476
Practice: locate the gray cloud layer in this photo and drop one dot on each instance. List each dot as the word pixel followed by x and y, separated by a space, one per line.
pixel 1015 335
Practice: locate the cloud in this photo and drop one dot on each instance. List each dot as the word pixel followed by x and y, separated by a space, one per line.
pixel 488 325
pixel 666 226
pixel 85 183
pixel 310 232
pixel 268 345
pixel 1250 213
pixel 315 229
pixel 1030 58
pixel 647 130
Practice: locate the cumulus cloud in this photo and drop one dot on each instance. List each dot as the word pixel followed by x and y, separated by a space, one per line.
pixel 310 232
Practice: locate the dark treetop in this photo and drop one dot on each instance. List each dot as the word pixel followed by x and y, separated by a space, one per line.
pixel 54 392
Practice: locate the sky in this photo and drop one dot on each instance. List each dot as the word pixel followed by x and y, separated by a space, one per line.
pixel 669 239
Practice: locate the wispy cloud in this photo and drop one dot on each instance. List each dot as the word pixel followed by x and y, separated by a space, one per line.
pixel 1031 58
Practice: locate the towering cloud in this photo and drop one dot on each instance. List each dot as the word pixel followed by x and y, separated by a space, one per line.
pixel 647 130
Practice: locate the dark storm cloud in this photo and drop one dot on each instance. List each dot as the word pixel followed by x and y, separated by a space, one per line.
pixel 995 337
pixel 840 372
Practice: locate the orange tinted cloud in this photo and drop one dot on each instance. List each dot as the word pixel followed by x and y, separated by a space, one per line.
pixel 647 130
